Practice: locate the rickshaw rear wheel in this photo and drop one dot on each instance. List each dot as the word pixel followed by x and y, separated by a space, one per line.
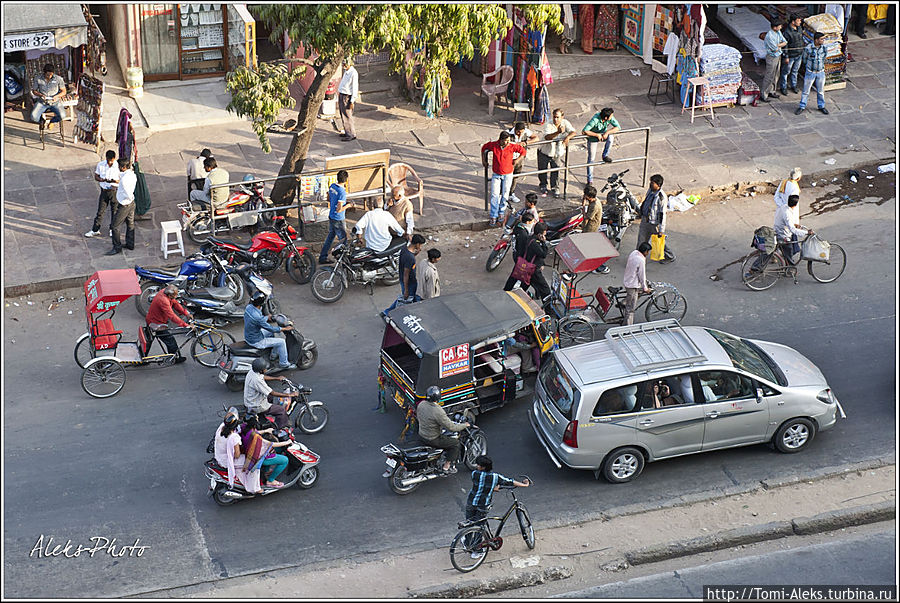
pixel 84 351
pixel 574 330
pixel 103 378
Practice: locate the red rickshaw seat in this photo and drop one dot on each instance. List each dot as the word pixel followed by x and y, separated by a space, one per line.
pixel 105 335
pixel 143 341
pixel 576 301
pixel 602 299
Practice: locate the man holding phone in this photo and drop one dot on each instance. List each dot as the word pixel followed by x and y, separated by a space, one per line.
pixel 47 91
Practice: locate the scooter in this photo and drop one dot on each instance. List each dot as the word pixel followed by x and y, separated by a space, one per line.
pixel 302 470
pixel 199 271
pixel 196 219
pixel 620 210
pixel 267 250
pixel 238 357
pixel 407 468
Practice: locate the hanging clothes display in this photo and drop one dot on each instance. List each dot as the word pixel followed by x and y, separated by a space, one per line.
pixel 632 34
pixel 541 106
pixel 125 134
pixel 586 18
pixel 606 26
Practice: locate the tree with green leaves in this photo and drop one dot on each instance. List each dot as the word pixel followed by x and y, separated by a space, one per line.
pixel 444 32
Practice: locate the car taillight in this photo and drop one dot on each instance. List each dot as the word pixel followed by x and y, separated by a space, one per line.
pixel 825 396
pixel 570 437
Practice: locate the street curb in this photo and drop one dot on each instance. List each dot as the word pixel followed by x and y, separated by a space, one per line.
pixel 475 588
pixel 800 526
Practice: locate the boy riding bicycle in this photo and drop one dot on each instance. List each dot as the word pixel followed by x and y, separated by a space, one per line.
pixel 484 483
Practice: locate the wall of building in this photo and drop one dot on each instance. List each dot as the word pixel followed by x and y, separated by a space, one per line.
pixel 118 34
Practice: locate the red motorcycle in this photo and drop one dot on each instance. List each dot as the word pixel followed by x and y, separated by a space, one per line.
pixel 267 250
pixel 556 230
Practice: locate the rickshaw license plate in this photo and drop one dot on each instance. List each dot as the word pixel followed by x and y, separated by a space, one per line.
pixel 391 463
pixel 223 376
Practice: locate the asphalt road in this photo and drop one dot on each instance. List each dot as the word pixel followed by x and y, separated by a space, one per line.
pixel 131 467
pixel 862 561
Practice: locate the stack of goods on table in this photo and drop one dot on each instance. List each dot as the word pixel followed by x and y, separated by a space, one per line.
pixel 721 64
pixel 835 61
pixel 780 12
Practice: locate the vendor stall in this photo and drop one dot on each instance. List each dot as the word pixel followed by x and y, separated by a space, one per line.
pixel 746 25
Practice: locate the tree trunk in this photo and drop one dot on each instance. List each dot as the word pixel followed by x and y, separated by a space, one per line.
pixel 283 191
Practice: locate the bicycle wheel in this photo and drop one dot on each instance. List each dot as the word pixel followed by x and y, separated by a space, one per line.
pixel 827 272
pixel 207 348
pixel 574 330
pixel 103 378
pixel 666 303
pixel 469 548
pixel 525 526
pixel 84 351
pixel 766 275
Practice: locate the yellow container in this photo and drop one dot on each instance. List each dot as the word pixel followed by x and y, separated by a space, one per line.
pixel 134 81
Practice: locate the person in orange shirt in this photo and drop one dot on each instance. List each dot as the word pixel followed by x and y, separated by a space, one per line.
pixel 163 308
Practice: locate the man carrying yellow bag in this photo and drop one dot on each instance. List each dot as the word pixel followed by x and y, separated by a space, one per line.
pixel 653 222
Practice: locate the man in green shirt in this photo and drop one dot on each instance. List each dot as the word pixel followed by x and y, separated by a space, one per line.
pixel 600 129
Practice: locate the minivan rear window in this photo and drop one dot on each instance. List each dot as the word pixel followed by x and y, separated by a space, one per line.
pixel 558 387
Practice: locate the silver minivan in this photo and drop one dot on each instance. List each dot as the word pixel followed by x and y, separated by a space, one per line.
pixel 658 390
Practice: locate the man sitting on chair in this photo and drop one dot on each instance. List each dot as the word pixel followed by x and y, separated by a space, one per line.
pixel 47 91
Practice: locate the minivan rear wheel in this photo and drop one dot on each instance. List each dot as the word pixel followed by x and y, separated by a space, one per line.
pixel 623 465
pixel 794 435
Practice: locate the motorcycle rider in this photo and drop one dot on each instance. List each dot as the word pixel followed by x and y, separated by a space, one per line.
pixel 255 322
pixel 380 227
pixel 257 392
pixel 212 193
pixel 228 454
pixel 162 309
pixel 432 418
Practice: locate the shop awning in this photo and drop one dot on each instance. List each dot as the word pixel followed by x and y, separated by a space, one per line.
pixel 36 26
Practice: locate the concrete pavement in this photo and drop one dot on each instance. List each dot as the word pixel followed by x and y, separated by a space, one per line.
pixel 50 197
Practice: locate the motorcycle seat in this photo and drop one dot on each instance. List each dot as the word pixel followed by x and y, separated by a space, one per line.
pixel 154 271
pixel 220 293
pixel 557 224
pixel 243 348
pixel 214 465
pixel 397 243
pixel 218 241
pixel 420 453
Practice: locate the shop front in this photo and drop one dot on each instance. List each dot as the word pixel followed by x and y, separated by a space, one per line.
pixel 183 41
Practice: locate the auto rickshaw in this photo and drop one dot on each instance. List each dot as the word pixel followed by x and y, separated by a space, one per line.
pixel 476 346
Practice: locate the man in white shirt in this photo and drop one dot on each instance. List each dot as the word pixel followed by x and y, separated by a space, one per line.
pixel 789 186
pixel 124 208
pixel 107 174
pixel 522 135
pixel 635 279
pixel 788 230
pixel 348 91
pixel 195 172
pixel 560 131
pixel 377 225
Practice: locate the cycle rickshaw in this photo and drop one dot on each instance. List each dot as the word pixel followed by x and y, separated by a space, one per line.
pixel 578 314
pixel 103 355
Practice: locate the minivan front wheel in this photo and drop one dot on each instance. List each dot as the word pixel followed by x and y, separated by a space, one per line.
pixel 794 435
pixel 623 465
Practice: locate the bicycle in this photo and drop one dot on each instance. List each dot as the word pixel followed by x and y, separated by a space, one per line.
pixel 576 323
pixel 760 270
pixel 471 544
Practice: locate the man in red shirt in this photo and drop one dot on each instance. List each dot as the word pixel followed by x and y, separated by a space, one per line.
pixel 502 166
pixel 162 310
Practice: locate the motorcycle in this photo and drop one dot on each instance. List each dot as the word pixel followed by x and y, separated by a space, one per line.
pixel 357 265
pixel 199 271
pixel 220 306
pixel 238 357
pixel 267 250
pixel 620 209
pixel 196 219
pixel 502 247
pixel 407 468
pixel 302 470
pixel 557 230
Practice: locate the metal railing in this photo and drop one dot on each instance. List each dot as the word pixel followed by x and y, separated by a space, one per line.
pixel 565 167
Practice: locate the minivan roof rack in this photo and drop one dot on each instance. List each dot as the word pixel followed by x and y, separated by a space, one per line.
pixel 654 345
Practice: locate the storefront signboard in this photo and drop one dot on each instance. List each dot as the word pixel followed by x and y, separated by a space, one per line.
pixel 37 40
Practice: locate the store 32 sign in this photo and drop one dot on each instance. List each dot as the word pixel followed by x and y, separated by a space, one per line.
pixel 30 41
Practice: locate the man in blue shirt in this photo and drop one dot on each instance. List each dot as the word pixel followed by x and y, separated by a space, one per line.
pixel 337 202
pixel 256 324
pixel 774 42
pixel 814 57
pixel 484 483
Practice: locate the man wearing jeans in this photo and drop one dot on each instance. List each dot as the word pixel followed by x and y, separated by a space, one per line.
pixel 814 56
pixel 255 322
pixel 337 202
pixel 560 131
pixel 47 92
pixel 503 165
pixel 600 129
pixel 792 55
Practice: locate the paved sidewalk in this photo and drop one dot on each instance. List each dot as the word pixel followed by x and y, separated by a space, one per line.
pixel 50 197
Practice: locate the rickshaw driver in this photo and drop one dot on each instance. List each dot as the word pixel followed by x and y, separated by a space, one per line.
pixel 432 418
pixel 162 309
